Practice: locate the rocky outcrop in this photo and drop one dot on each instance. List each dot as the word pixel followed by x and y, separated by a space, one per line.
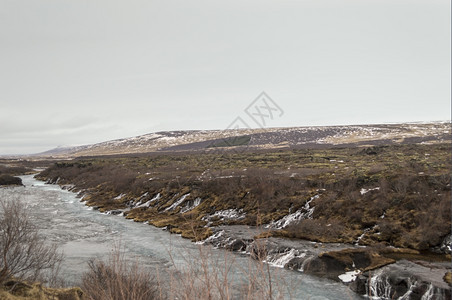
pixel 445 246
pixel 405 280
pixel 367 271
pixel 10 180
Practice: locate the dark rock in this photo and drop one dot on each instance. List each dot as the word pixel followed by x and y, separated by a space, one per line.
pixel 359 286
pixel 325 266
pixel 295 263
pixel 418 291
pixel 237 245
pixel 10 180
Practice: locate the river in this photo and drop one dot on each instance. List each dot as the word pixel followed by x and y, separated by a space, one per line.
pixel 84 234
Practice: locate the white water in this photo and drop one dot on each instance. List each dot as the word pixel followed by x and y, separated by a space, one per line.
pixel 83 234
pixel 177 203
pixel 380 288
pixel 304 213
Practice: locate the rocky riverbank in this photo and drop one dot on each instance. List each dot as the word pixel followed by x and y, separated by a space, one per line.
pixel 387 273
pixel 383 272
pixel 363 209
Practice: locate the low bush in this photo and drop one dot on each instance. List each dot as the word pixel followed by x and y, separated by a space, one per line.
pixel 118 279
pixel 10 180
pixel 24 254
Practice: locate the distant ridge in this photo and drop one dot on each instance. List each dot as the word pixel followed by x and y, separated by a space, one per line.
pixel 264 138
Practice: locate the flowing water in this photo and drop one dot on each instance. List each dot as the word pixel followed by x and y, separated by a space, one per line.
pixel 84 234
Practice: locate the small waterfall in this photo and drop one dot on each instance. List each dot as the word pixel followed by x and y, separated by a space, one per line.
pixel 379 287
pixel 213 239
pixel 281 259
pixel 189 207
pixel 227 214
pixel 177 203
pixel 305 262
pixel 367 230
pixel 148 203
pixel 445 246
pixel 304 213
pixel 433 293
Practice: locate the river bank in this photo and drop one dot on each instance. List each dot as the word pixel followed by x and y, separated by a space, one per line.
pixel 85 234
pixel 383 204
pixel 385 272
pixel 366 271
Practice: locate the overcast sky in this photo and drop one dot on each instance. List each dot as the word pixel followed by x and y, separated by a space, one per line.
pixel 84 71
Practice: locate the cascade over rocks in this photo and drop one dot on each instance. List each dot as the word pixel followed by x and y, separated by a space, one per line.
pixel 404 280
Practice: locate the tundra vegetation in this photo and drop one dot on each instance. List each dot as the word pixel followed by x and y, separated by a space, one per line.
pixel 399 195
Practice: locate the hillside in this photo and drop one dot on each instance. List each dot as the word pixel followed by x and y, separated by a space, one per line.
pixel 264 138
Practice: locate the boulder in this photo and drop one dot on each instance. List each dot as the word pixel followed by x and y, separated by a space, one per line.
pixel 237 245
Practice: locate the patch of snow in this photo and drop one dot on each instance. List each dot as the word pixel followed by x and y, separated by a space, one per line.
pixel 119 197
pixel 349 276
pixel 230 214
pixel 365 191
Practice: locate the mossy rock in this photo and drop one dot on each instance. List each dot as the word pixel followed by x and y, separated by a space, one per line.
pixel 448 277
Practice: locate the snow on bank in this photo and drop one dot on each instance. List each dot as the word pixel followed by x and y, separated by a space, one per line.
pixel 365 191
pixel 120 196
pixel 349 276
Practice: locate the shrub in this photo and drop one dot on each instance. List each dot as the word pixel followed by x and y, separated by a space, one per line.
pixel 24 254
pixel 117 279
pixel 10 180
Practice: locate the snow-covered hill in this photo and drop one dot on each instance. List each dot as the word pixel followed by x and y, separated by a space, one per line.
pixel 264 138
